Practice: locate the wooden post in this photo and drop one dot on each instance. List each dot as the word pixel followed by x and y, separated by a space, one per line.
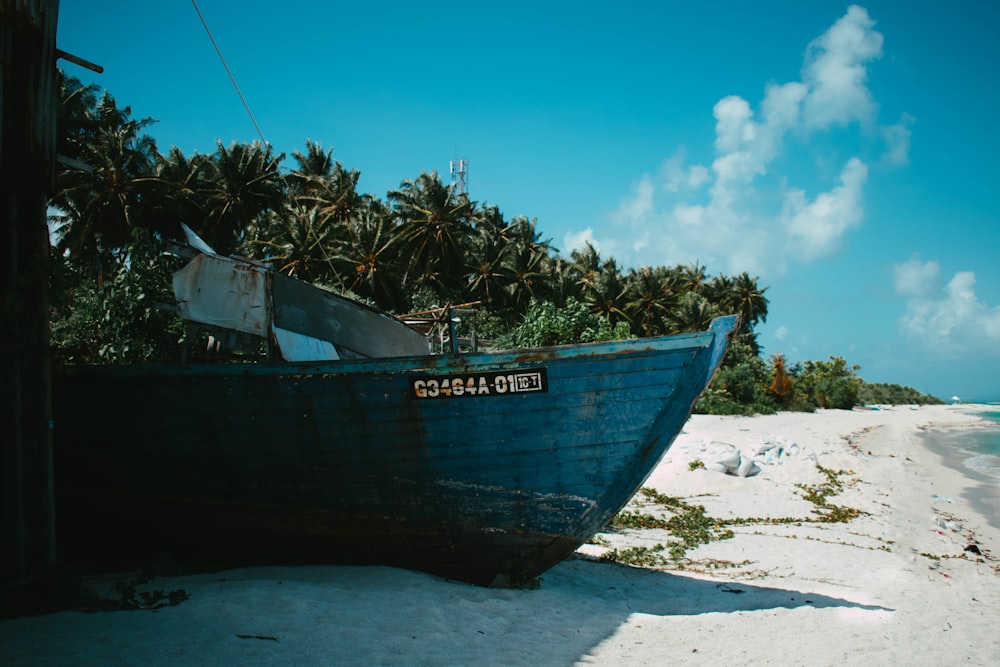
pixel 27 167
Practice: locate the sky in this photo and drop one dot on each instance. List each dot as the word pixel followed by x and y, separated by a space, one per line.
pixel 846 155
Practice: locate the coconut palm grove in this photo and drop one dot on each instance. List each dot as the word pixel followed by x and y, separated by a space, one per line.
pixel 119 202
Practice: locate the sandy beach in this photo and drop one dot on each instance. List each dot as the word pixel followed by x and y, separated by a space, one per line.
pixel 912 577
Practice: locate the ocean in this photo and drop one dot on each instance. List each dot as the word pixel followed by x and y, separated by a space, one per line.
pixel 976 453
pixel 983 447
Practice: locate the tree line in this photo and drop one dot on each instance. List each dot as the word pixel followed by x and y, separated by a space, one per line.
pixel 118 200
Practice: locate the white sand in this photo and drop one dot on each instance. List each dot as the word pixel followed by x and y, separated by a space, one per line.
pixel 863 592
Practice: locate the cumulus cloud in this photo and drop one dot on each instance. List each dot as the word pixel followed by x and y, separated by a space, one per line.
pixel 734 214
pixel 897 141
pixel 734 126
pixel 836 73
pixel 577 240
pixel 815 227
pixel 946 319
pixel 915 278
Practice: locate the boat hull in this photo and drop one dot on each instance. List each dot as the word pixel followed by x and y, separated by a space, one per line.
pixel 487 468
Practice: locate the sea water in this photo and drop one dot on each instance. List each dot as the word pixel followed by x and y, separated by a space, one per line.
pixel 975 452
pixel 983 447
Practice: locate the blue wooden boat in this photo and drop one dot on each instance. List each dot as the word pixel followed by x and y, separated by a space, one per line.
pixel 481 467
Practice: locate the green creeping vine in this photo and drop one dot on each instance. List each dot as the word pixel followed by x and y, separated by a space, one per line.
pixel 691 526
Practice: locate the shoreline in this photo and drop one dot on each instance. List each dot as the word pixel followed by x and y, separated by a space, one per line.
pixel 895 583
pixel 905 560
pixel 983 494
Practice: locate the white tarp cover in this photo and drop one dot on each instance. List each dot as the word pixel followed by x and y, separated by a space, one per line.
pixel 298 347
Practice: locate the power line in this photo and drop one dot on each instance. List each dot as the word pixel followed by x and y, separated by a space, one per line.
pixel 230 73
pixel 319 244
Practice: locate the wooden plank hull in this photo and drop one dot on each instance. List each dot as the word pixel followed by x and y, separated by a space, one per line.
pixel 488 468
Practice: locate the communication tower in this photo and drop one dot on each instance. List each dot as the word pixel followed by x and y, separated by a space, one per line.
pixel 459 169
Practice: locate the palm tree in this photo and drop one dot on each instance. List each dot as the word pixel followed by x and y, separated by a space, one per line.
pixel 583 269
pixel 335 195
pixel 607 296
pixel 314 163
pixel 719 290
pixel 749 301
pixel 527 261
pixel 487 252
pixel 100 200
pixel 652 295
pixel 76 119
pixel 245 184
pixel 433 226
pixel 177 192
pixel 523 232
pixel 322 182
pixel 298 241
pixel 488 272
pixel 693 313
pixel 693 277
pixel 370 259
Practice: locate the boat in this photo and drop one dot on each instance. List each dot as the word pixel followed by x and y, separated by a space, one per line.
pixel 352 443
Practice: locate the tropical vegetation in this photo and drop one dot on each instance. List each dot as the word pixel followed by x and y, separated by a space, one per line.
pixel 119 203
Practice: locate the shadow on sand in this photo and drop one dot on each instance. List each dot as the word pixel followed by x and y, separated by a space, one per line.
pixel 379 615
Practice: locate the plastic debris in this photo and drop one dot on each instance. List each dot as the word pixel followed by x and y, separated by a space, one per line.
pixel 949 524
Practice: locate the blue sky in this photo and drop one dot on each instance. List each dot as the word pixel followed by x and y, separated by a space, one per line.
pixel 845 154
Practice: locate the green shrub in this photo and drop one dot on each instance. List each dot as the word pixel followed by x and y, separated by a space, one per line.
pixel 547 324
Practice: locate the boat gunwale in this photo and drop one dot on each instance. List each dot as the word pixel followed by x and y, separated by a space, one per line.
pixel 423 363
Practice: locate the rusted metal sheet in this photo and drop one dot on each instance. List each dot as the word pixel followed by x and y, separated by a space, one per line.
pixel 224 292
pixel 305 322
pixel 356 461
pixel 319 314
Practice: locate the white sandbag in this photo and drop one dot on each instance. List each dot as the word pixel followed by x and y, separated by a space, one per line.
pixel 747 468
pixel 730 459
pixel 765 448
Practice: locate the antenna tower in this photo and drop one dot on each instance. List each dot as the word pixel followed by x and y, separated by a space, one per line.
pixel 459 169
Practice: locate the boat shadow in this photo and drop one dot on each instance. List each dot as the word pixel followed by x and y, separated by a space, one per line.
pixel 376 615
pixel 661 593
pixel 576 607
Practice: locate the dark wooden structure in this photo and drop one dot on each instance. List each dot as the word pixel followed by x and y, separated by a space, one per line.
pixel 27 166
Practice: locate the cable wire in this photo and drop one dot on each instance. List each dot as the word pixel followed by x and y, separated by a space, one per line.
pixel 230 73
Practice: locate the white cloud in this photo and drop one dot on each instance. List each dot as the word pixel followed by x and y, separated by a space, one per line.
pixel 607 247
pixel 732 215
pixel 680 178
pixel 897 141
pixel 815 228
pixel 697 176
pixel 836 74
pixel 782 105
pixel 579 240
pixel 949 320
pixel 734 126
pixel 639 204
pixel 915 278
